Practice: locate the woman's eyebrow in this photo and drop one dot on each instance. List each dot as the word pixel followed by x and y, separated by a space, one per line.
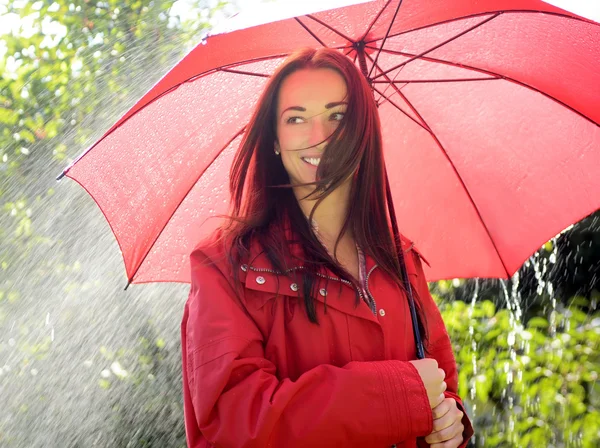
pixel 327 106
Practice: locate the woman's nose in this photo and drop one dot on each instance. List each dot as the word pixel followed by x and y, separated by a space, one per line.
pixel 318 131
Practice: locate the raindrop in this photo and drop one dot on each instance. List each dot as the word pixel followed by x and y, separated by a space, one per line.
pixel 511 339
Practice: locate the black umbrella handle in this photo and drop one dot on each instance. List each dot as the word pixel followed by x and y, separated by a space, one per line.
pixel 413 315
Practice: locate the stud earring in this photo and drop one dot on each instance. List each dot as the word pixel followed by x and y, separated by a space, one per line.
pixel 276 151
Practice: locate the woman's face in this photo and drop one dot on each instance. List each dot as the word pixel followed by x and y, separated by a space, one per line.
pixel 310 105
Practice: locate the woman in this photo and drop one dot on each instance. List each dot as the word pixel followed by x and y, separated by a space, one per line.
pixel 297 331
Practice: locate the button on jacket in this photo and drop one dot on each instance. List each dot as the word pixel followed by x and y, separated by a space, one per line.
pixel 258 373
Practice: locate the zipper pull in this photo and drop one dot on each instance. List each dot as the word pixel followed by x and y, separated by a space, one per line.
pixel 370 302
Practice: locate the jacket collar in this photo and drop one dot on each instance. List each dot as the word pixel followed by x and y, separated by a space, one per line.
pixel 259 275
pixel 259 261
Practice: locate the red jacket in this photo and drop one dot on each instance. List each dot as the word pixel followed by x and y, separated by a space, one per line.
pixel 258 373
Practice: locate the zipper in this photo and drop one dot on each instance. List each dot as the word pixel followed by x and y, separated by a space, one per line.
pixel 368 293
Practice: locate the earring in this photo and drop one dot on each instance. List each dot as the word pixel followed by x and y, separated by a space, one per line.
pixel 276 150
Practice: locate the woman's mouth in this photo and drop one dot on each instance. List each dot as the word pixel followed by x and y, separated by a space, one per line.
pixel 311 160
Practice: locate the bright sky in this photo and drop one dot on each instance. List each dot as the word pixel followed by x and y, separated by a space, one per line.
pixel 253 12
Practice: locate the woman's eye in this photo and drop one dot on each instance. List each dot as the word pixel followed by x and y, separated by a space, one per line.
pixel 292 120
pixel 338 116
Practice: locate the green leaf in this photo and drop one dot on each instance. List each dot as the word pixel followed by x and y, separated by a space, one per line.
pixel 8 116
pixel 537 322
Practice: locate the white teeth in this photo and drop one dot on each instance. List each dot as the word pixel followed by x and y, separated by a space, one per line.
pixel 312 160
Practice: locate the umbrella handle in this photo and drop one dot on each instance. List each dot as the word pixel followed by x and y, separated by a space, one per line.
pixel 413 315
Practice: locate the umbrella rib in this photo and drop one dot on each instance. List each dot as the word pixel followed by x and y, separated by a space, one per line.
pixel 497 76
pixel 395 87
pixel 169 90
pixel 455 171
pixel 388 81
pixel 384 39
pixel 227 67
pixel 241 72
pixel 435 47
pixel 384 73
pixel 416 81
pixel 400 109
pixel 487 230
pixel 310 32
pixel 470 16
pixel 339 33
pixel 374 21
pixel 218 153
pixel 347 54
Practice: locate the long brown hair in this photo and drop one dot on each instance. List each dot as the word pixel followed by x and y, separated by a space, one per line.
pixel 262 198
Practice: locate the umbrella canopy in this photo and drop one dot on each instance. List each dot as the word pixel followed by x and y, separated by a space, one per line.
pixel 490 116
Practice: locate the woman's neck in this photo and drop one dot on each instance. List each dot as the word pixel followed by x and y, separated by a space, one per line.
pixel 329 216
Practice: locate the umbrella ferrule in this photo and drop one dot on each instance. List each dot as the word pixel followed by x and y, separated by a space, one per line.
pixel 362 62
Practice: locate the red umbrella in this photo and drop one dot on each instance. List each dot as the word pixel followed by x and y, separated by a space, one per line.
pixel 490 114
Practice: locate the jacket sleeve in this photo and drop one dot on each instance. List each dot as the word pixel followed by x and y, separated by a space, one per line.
pixel 235 399
pixel 440 347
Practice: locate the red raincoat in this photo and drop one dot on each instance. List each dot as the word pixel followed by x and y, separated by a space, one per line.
pixel 257 373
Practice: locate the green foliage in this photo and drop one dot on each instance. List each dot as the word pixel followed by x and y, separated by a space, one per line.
pixel 528 385
pixel 82 65
pixel 73 66
pixel 58 78
pixel 146 373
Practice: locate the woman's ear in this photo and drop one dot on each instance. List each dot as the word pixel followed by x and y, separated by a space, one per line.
pixel 277 148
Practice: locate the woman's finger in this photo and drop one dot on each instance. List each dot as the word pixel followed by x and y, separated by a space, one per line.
pixel 452 443
pixel 445 434
pixel 443 422
pixel 446 428
pixel 443 408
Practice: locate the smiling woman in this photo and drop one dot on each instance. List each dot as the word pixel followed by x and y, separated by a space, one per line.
pixel 302 139
pixel 300 328
pixel 314 137
pixel 303 136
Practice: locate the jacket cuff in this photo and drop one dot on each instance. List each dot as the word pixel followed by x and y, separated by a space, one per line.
pixel 407 399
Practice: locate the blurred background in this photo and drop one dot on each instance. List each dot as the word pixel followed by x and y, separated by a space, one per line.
pixel 85 363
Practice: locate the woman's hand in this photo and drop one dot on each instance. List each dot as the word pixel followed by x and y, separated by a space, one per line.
pixel 433 379
pixel 447 427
